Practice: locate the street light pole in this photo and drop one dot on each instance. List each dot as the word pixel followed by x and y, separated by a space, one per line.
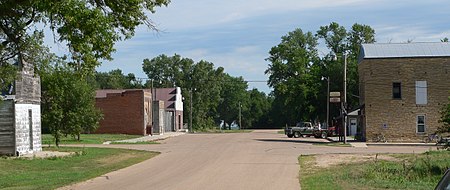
pixel 345 99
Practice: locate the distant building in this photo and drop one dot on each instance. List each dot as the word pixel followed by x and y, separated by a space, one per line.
pixel 20 114
pixel 173 101
pixel 139 111
pixel 403 88
pixel 124 111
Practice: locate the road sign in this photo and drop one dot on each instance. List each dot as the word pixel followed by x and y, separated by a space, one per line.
pixel 335 99
pixel 335 94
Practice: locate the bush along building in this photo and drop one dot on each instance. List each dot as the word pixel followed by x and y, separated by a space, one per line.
pixel 20 114
pixel 403 88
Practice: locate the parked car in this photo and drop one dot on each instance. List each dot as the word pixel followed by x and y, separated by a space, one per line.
pixel 301 129
pixel 444 183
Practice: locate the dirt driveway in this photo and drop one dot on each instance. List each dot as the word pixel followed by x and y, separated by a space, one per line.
pixel 262 159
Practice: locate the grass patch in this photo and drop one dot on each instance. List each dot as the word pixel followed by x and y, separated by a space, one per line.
pixel 48 139
pixel 281 132
pixel 408 171
pixel 56 172
pixel 140 142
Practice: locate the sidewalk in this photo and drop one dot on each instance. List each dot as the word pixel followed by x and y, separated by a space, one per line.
pixel 355 143
pixel 150 138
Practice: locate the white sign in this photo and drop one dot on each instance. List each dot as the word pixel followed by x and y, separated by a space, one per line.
pixel 335 99
pixel 335 94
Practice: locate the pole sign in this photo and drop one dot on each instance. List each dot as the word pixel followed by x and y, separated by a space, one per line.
pixel 335 97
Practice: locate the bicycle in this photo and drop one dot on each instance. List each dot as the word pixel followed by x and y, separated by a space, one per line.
pixel 432 138
pixel 379 138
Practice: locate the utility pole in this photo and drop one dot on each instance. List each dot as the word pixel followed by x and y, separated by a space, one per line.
pixel 240 123
pixel 344 114
pixel 190 112
pixel 328 102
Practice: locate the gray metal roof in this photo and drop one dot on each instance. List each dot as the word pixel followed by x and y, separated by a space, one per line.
pixel 402 50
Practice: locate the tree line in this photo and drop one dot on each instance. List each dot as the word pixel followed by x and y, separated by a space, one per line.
pixel 90 29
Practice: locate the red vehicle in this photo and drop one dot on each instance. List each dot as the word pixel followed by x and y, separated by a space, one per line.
pixel 323 131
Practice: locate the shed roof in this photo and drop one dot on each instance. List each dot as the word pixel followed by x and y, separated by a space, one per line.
pixel 403 50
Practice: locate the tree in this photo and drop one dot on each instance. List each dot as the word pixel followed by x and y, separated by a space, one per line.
pixel 89 27
pixel 201 80
pixel 296 70
pixel 115 79
pixel 232 95
pixel 445 118
pixel 288 72
pixel 68 102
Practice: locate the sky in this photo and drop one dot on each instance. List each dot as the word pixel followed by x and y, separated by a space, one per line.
pixel 237 35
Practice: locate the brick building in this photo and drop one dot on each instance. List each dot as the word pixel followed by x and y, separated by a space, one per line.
pixel 20 114
pixel 124 111
pixel 403 88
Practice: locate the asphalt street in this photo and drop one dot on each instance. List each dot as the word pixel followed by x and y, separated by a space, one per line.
pixel 259 160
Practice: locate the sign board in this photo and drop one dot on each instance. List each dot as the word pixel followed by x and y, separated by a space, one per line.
pixel 335 94
pixel 335 99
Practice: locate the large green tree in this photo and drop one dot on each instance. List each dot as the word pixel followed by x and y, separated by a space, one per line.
pixel 200 83
pixel 295 71
pixel 88 27
pixel 68 102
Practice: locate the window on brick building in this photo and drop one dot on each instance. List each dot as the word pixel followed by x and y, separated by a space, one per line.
pixel 421 124
pixel 421 92
pixel 397 90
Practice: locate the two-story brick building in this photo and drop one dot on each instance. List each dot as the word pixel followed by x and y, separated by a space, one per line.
pixel 403 88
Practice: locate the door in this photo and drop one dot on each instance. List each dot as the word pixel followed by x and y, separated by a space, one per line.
pixel 169 121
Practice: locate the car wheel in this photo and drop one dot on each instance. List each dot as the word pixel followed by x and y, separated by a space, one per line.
pixel 297 134
pixel 290 135
pixel 324 135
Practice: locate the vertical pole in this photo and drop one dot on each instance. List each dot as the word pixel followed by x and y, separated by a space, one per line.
pixel 153 109
pixel 190 114
pixel 345 98
pixel 328 102
pixel 240 123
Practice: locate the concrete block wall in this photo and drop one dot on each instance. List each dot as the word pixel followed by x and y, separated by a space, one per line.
pixel 26 142
pixel 396 119
pixel 123 113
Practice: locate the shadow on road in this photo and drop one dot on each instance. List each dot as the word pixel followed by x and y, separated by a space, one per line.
pixel 305 141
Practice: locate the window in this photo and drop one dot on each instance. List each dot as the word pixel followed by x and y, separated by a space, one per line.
pixel 420 124
pixel 397 90
pixel 421 92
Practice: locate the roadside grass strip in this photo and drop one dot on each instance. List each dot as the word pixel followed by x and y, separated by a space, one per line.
pixel 48 139
pixel 400 171
pixel 54 172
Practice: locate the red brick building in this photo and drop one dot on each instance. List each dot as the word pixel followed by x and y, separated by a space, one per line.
pixel 125 111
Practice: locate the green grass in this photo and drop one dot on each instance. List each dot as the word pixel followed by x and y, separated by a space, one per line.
pixel 281 132
pixel 408 171
pixel 87 138
pixel 140 142
pixel 55 172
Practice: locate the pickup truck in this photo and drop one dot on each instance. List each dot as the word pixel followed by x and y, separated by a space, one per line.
pixel 300 130
pixel 308 129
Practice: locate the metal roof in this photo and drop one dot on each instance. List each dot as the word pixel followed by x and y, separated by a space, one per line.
pixel 403 50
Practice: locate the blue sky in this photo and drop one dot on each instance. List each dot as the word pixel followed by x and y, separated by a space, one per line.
pixel 238 35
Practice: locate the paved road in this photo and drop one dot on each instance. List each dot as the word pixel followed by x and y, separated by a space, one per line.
pixel 258 160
